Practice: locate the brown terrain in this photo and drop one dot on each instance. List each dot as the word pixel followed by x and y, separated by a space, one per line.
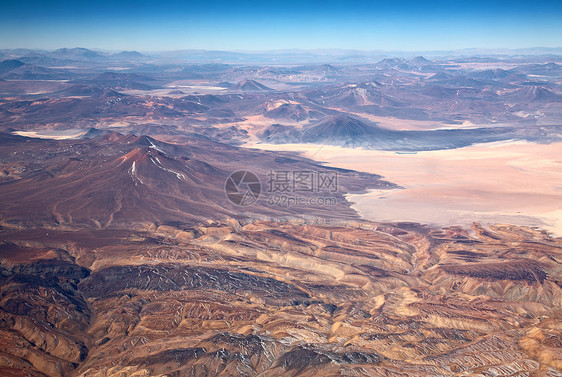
pixel 281 299
pixel 125 180
pixel 121 254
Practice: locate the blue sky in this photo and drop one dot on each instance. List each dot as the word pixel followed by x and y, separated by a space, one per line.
pixel 251 25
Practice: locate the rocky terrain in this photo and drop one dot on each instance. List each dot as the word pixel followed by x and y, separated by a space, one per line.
pixel 393 104
pixel 122 252
pixel 281 299
pixel 119 180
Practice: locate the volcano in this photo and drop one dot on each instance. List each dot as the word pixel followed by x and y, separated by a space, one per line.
pixel 250 86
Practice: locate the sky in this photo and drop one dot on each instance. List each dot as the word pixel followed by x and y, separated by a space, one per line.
pixel 148 25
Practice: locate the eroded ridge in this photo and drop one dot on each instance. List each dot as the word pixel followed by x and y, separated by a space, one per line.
pixel 282 299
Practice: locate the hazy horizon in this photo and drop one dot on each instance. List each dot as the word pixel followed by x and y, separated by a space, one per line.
pixel 467 50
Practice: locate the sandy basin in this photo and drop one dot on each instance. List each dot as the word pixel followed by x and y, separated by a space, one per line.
pixel 507 182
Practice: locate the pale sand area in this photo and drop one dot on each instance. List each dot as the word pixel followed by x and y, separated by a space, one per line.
pixel 394 123
pixel 185 89
pixel 516 183
pixel 52 134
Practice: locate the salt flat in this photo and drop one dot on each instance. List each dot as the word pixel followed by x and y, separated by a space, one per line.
pixel 509 182
pixel 74 133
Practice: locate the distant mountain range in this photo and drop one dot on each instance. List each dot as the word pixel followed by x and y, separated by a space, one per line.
pixel 65 55
pixel 278 56
pixel 368 105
